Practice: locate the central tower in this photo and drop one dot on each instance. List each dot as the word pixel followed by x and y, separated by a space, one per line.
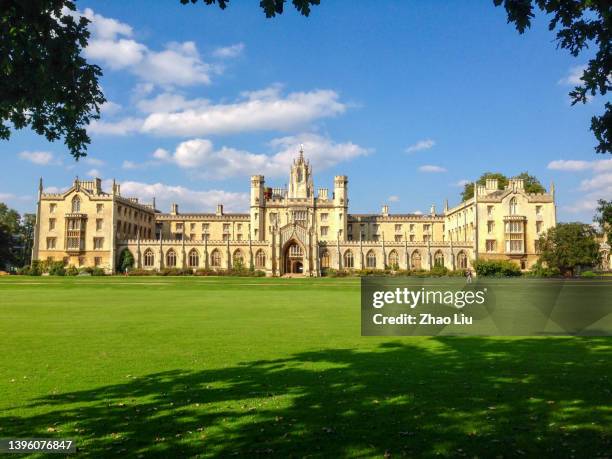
pixel 300 178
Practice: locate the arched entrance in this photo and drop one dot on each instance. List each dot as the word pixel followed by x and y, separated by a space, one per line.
pixel 294 258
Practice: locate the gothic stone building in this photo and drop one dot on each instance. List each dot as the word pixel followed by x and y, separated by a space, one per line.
pixel 294 230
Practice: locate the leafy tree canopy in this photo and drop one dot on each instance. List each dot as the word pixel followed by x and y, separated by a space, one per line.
pixel 45 83
pixel 16 237
pixel 569 245
pixel 531 183
pixel 603 216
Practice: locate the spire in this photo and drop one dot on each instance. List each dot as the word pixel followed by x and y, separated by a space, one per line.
pixel 552 188
pixel 446 205
pixel 301 157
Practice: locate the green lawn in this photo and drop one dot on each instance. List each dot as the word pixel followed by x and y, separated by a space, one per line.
pixel 217 367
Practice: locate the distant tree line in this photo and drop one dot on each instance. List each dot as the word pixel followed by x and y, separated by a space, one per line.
pixel 16 237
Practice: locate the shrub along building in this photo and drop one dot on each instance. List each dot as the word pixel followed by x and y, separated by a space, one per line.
pixel 290 230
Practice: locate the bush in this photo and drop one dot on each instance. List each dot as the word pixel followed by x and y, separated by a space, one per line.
pixel 538 270
pixel 588 274
pixel 72 271
pixel 86 270
pixel 98 271
pixel 56 268
pixel 438 271
pixel 337 272
pixel 176 272
pixel 141 272
pixel 496 268
pixel 36 269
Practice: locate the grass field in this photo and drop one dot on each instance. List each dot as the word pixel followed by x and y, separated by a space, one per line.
pixel 218 367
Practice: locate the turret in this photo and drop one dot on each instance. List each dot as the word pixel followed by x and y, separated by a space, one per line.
pixel 300 178
pixel 341 190
pixel 258 203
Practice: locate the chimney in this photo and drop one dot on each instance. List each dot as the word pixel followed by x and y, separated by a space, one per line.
pixel 385 210
pixel 491 184
pixel 432 211
pixel 174 209
pixel 219 209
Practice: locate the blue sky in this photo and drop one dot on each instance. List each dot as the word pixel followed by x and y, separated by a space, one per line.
pixel 408 99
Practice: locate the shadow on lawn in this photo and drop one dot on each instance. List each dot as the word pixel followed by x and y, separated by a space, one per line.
pixel 461 397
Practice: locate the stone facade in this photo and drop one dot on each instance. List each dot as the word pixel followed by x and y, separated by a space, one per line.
pixel 296 230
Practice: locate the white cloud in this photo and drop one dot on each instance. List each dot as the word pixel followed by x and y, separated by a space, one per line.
pixel 106 28
pixel 598 186
pixel 393 198
pixel 462 183
pixel 129 165
pixel 169 102
pixel 573 78
pixel 598 165
pixel 229 52
pixel 124 126
pixel 417 212
pixel 112 43
pixel 54 189
pixel 431 168
pixel 110 108
pixel 7 197
pixel 160 153
pixel 201 157
pixel 41 158
pixel 255 111
pixel 93 161
pixel 189 200
pixel 421 145
pixel 93 173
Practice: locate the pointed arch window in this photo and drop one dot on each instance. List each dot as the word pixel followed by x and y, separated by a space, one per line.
pixel 76 204
pixel 461 260
pixel 393 259
pixel 194 258
pixel 260 259
pixel 439 259
pixel 513 206
pixel 149 258
pixel 371 259
pixel 171 258
pixel 415 260
pixel 348 259
pixel 215 259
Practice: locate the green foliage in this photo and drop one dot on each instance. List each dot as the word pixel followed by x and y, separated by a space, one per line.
pixel 16 237
pixel 580 24
pixel 56 268
pixel 603 216
pixel 568 246
pixel 496 268
pixel 270 7
pixel 97 271
pixel 46 83
pixel 468 188
pixel 438 271
pixel 72 271
pixel 531 183
pixel 126 261
pixel 36 268
pixel 538 270
pixel 588 274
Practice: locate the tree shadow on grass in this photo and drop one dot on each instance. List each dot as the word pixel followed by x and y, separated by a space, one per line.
pixel 456 397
